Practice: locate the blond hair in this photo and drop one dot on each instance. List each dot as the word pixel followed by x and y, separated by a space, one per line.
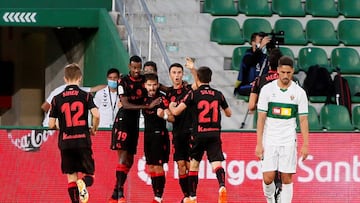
pixel 72 72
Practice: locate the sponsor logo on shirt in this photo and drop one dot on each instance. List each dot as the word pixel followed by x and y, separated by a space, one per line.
pixel 281 111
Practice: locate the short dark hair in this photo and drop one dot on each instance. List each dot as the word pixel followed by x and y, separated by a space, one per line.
pixel 176 65
pixel 204 74
pixel 151 76
pixel 253 36
pixel 135 58
pixel 152 64
pixel 274 57
pixel 286 61
pixel 113 70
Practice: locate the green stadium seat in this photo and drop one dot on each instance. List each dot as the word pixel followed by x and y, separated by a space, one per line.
pixel 321 32
pixel 226 31
pixel 237 56
pixel 356 117
pixel 309 56
pixel 220 8
pixel 288 8
pixel 293 30
pixel 313 118
pixel 347 59
pixel 349 32
pixel 335 118
pixel 318 99
pixel 252 25
pixel 243 97
pixel 321 8
pixel 349 8
pixel 286 51
pixel 255 8
pixel 354 86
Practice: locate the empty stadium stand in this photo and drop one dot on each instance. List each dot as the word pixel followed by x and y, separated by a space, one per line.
pixel 354 86
pixel 255 8
pixel 313 118
pixel 347 59
pixel 309 56
pixel 348 32
pixel 220 8
pixel 349 8
pixel 293 29
pixel 321 32
pixel 322 8
pixel 226 31
pixel 288 8
pixel 252 25
pixel 356 117
pixel 340 122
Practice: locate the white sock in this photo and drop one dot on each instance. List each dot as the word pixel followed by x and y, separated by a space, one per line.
pixel 286 193
pixel 158 199
pixel 269 192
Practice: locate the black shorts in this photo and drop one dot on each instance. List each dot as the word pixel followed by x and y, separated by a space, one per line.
pixel 77 160
pixel 125 131
pixel 156 147
pixel 181 142
pixel 210 144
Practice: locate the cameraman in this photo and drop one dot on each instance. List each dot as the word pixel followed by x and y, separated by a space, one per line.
pixel 253 64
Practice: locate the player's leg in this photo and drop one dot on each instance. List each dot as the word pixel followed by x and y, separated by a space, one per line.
pixel 125 134
pixel 72 162
pixel 216 157
pixel 269 165
pixel 269 186
pixel 278 186
pixel 196 153
pixel 156 153
pixel 183 176
pixel 73 188
pixel 158 182
pixel 126 160
pixel 181 156
pixel 287 167
pixel 193 179
pixel 87 167
pixel 287 187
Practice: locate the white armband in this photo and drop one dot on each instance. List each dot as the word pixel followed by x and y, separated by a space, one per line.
pixel 165 116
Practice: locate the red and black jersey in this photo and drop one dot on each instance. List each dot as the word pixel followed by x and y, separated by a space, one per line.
pixel 71 108
pixel 132 88
pixel 263 80
pixel 152 121
pixel 183 122
pixel 205 103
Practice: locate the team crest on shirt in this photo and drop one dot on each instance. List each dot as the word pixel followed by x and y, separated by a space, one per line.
pixel 292 97
pixel 138 92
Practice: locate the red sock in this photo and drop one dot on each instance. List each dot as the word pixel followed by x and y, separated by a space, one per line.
pixel 73 192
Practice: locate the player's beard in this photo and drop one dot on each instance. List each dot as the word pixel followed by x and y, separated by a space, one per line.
pixel 285 81
pixel 151 93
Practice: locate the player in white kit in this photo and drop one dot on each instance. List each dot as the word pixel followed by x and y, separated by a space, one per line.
pixel 280 102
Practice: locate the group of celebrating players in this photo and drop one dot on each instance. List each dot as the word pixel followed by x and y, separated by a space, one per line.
pixel 193 109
